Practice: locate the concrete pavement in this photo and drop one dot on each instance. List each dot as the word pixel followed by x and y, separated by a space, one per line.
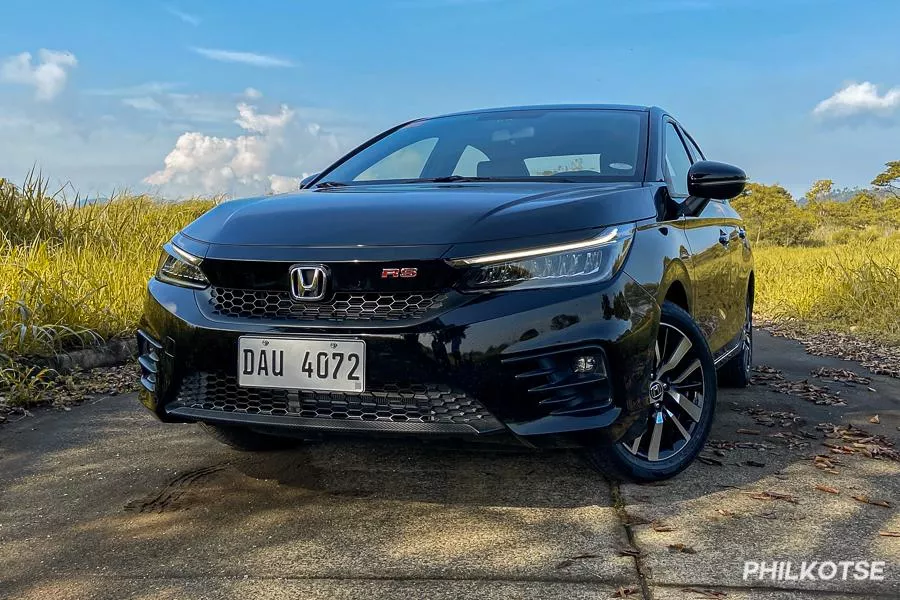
pixel 104 502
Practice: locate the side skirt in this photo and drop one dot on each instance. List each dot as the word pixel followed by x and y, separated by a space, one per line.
pixel 728 351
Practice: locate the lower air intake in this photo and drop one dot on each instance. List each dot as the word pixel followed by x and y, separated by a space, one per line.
pixel 416 403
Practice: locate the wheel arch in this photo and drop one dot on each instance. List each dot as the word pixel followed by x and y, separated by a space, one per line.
pixel 676 287
pixel 751 288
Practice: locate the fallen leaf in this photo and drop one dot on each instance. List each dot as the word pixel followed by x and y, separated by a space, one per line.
pixel 773 496
pixel 709 460
pixel 875 420
pixel 682 548
pixel 661 527
pixel 827 490
pixel 624 592
pixel 629 552
pixel 866 500
pixel 725 512
pixel 840 375
pixel 889 533
pixel 571 561
pixel 748 431
pixel 754 463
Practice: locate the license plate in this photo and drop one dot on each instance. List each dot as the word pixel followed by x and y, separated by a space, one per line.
pixel 302 364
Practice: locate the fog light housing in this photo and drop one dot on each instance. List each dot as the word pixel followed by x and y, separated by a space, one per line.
pixel 588 363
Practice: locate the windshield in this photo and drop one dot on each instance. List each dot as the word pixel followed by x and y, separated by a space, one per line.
pixel 575 145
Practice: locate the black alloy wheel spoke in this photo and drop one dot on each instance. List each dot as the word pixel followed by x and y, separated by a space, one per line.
pixel 677 395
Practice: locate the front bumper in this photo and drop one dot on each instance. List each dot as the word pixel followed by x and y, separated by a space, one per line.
pixel 484 365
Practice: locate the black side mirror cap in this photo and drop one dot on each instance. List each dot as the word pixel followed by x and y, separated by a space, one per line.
pixel 719 181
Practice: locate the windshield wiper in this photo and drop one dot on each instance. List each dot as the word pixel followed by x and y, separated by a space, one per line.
pixel 330 184
pixel 452 178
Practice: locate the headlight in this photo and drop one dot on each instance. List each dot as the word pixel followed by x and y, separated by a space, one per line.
pixel 588 261
pixel 180 268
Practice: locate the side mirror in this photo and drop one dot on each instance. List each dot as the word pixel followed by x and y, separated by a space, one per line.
pixel 719 181
pixel 307 179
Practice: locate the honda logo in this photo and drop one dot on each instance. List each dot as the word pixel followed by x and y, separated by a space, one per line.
pixel 308 283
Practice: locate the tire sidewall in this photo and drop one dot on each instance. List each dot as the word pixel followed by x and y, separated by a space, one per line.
pixel 638 469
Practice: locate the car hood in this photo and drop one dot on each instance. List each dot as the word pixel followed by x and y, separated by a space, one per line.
pixel 420 214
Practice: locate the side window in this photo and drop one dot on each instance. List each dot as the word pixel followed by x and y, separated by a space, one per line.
pixel 677 161
pixel 467 166
pixel 692 146
pixel 405 163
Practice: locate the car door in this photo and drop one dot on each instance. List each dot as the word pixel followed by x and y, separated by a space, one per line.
pixel 733 236
pixel 711 275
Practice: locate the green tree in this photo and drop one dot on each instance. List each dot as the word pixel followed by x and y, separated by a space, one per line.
pixel 772 215
pixel 817 198
pixel 889 179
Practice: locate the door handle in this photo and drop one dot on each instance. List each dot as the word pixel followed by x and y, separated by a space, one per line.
pixel 723 237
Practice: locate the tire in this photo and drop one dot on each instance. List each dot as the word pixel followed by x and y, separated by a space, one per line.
pixel 736 372
pixel 683 386
pixel 247 440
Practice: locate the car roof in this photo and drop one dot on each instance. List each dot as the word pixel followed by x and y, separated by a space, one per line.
pixel 629 107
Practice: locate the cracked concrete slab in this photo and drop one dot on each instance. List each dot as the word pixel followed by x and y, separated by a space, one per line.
pixel 103 501
pixel 721 514
pixel 105 490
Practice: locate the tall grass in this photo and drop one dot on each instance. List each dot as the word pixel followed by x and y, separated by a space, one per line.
pixel 845 287
pixel 72 273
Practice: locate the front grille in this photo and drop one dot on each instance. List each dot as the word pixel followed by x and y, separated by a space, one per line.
pixel 415 403
pixel 344 306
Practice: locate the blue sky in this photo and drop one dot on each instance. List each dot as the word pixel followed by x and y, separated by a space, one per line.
pixel 194 96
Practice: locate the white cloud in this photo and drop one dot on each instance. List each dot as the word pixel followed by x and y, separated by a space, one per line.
pixel 149 88
pixel 251 120
pixel 246 58
pixel 248 163
pixel 857 99
pixel 144 103
pixel 252 93
pixel 183 16
pixel 279 184
pixel 48 76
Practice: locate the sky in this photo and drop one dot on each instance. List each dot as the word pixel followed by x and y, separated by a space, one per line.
pixel 206 97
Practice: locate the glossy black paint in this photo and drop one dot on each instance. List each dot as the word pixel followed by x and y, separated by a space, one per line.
pixel 715 180
pixel 690 250
pixel 426 214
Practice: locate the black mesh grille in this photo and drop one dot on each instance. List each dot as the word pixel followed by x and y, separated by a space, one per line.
pixel 415 403
pixel 358 306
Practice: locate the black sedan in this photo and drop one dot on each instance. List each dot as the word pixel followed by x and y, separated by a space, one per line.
pixel 555 276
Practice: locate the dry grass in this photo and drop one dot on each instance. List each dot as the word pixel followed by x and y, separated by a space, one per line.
pixel 74 273
pixel 851 287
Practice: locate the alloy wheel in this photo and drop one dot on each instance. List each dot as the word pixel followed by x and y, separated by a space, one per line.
pixel 677 392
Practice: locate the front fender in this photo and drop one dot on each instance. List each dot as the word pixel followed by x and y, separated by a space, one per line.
pixel 659 258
